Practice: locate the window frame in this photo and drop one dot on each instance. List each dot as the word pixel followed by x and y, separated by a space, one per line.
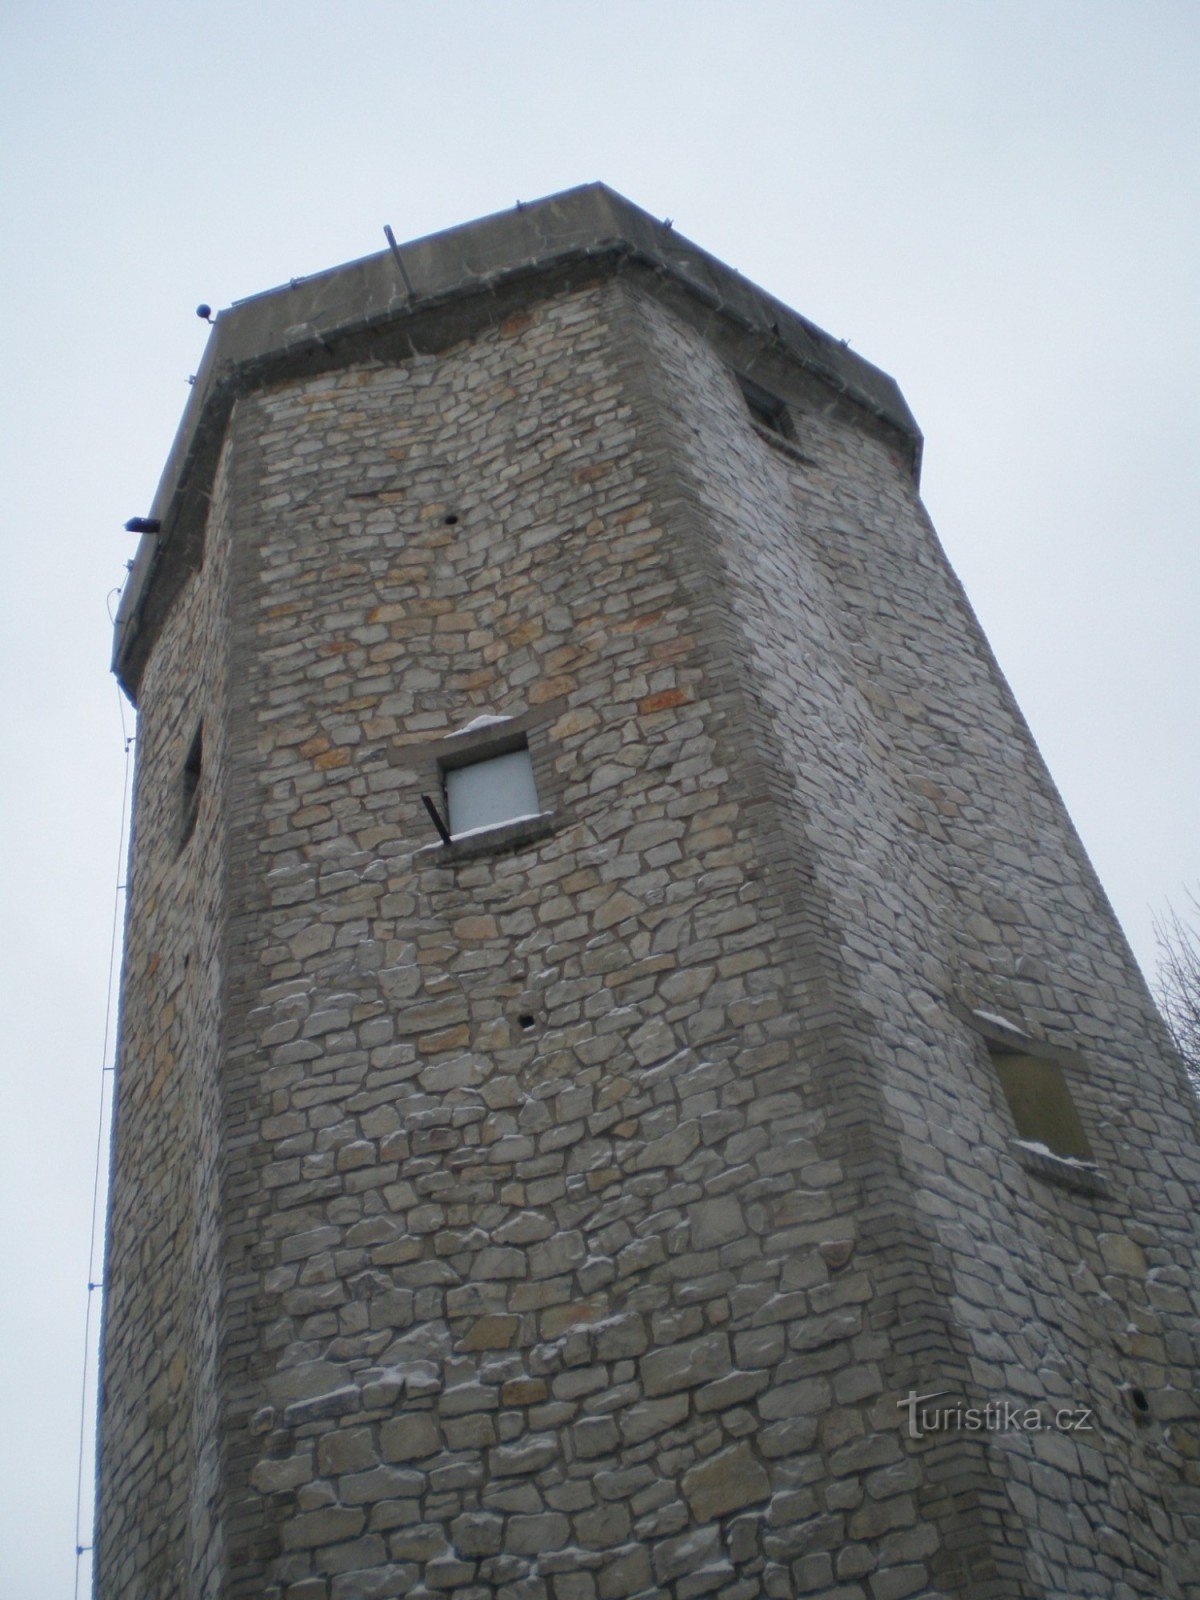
pixel 431 760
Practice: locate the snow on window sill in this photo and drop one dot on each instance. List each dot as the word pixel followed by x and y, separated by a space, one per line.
pixel 498 837
pixel 1069 1171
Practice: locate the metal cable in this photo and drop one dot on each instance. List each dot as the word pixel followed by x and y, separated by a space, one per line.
pixel 95 1270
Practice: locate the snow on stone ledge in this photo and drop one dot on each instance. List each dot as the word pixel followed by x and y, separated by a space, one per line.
pixel 487 720
pixel 493 827
pixel 1037 1148
pixel 995 1020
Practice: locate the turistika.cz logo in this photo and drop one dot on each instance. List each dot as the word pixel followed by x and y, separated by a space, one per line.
pixel 996 1416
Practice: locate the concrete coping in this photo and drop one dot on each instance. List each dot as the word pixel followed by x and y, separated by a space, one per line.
pixel 420 298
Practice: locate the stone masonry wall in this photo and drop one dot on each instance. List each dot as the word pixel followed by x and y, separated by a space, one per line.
pixel 586 1206
pixel 950 870
pixel 159 1413
pixel 538 1311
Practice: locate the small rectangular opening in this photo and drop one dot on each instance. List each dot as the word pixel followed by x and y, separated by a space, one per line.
pixel 1041 1103
pixel 189 789
pixel 767 409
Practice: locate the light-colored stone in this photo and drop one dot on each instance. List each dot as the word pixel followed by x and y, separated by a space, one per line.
pixel 1121 1254
pixel 409 1438
pixel 717 1222
pixel 685 1365
pixel 725 1482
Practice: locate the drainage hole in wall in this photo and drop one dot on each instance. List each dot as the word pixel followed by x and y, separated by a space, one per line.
pixel 450 518
pixel 526 1019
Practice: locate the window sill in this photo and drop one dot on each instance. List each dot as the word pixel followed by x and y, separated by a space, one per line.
pixel 505 836
pixel 1082 1176
pixel 781 442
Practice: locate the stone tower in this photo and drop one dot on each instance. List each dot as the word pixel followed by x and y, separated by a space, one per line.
pixel 559 1190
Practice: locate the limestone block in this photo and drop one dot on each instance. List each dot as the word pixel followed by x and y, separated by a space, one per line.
pixel 1121 1254
pixel 348 1450
pixel 725 1482
pixel 685 1365
pixel 331 1525
pixel 650 1417
pixel 717 1222
pixel 477 1533
pixel 409 1438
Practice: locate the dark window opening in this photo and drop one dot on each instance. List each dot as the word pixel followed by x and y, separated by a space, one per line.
pixel 1041 1103
pixel 767 409
pixel 190 787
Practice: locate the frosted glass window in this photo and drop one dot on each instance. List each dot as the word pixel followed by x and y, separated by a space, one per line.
pixel 486 794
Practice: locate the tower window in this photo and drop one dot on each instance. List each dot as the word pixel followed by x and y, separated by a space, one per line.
pixel 490 792
pixel 767 409
pixel 189 788
pixel 1040 1102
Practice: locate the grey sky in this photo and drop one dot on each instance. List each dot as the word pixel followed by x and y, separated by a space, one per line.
pixel 995 202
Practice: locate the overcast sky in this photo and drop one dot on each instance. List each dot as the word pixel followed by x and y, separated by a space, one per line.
pixel 995 202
